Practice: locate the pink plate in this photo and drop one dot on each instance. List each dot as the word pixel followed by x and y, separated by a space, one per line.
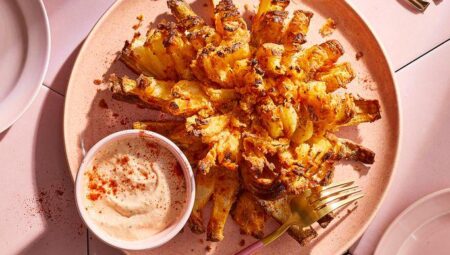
pixel 90 114
pixel 24 54
pixel 421 228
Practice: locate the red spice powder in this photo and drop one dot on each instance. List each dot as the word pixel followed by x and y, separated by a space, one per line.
pixel 152 146
pixel 124 121
pixel 97 81
pixel 124 160
pixel 93 196
pixel 177 170
pixel 103 104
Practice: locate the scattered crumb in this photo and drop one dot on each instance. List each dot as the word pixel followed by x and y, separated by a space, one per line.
pixel 328 28
pixel 140 18
pixel 103 104
pixel 350 210
pixel 242 242
pixel 359 55
pixel 205 5
pixel 97 81
pixel 124 122
pixel 367 83
pixel 208 248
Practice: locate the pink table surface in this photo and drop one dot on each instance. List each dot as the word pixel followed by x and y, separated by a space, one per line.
pixel 37 202
pixel 39 216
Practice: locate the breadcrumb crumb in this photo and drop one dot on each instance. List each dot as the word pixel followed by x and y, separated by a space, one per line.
pixel 328 28
pixel 140 18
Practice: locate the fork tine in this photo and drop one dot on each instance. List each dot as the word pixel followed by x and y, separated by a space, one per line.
pixel 329 199
pixel 332 192
pixel 333 206
pixel 337 184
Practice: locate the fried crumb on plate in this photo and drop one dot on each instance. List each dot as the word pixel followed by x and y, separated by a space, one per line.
pixel 328 28
pixel 140 18
pixel 359 55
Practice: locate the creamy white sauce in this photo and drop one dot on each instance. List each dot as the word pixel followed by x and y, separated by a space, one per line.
pixel 134 189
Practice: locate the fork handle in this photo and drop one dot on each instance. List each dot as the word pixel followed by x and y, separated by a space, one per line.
pixel 267 240
pixel 251 248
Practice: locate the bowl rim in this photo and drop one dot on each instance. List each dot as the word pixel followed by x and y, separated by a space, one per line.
pixel 159 238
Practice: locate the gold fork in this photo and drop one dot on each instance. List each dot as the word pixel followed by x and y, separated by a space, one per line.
pixel 311 207
pixel 420 5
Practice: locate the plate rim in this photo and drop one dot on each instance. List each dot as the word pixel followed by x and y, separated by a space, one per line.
pixel 414 206
pixel 399 142
pixel 24 107
pixel 399 115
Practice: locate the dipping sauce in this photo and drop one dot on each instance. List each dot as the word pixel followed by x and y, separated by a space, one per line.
pixel 134 188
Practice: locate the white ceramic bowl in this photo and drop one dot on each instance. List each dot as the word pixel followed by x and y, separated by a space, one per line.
pixel 159 238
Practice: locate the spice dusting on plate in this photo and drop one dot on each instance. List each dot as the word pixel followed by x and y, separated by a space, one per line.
pixel 133 189
pixel 328 28
pixel 102 104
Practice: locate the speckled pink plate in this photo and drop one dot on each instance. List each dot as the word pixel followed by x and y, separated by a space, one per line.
pixel 90 114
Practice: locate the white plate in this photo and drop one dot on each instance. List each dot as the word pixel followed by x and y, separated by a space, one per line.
pixel 423 228
pixel 24 55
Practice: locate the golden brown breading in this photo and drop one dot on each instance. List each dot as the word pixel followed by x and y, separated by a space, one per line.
pixel 251 105
pixel 249 215
pixel 296 31
pixel 270 17
pixel 226 189
pixel 204 186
